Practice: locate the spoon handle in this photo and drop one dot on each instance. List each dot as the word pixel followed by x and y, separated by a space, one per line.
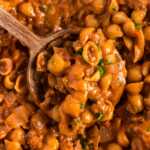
pixel 22 33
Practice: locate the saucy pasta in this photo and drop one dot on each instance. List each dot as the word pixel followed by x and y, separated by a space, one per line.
pixel 94 85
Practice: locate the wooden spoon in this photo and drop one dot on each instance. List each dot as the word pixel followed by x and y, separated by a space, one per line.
pixel 32 41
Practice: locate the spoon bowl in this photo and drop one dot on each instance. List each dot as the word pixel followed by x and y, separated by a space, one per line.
pixel 34 43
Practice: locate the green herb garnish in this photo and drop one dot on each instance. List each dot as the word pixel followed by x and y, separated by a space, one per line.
pixel 101 70
pixel 79 52
pixel 99 116
pixel 83 143
pixel 101 62
pixel 74 123
pixel 82 106
pixel 138 26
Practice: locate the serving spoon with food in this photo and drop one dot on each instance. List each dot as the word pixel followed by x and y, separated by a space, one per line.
pixel 32 41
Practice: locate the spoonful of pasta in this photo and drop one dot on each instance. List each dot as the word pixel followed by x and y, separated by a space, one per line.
pixel 32 41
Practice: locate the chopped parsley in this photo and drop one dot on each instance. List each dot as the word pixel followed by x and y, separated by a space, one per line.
pixel 99 116
pixel 101 70
pixel 138 26
pixel 101 62
pixel 83 143
pixel 75 122
pixel 79 52
pixel 82 106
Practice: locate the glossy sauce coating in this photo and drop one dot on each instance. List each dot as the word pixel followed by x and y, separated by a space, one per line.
pixel 94 84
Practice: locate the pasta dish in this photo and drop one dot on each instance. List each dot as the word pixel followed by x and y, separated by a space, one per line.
pixel 93 84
